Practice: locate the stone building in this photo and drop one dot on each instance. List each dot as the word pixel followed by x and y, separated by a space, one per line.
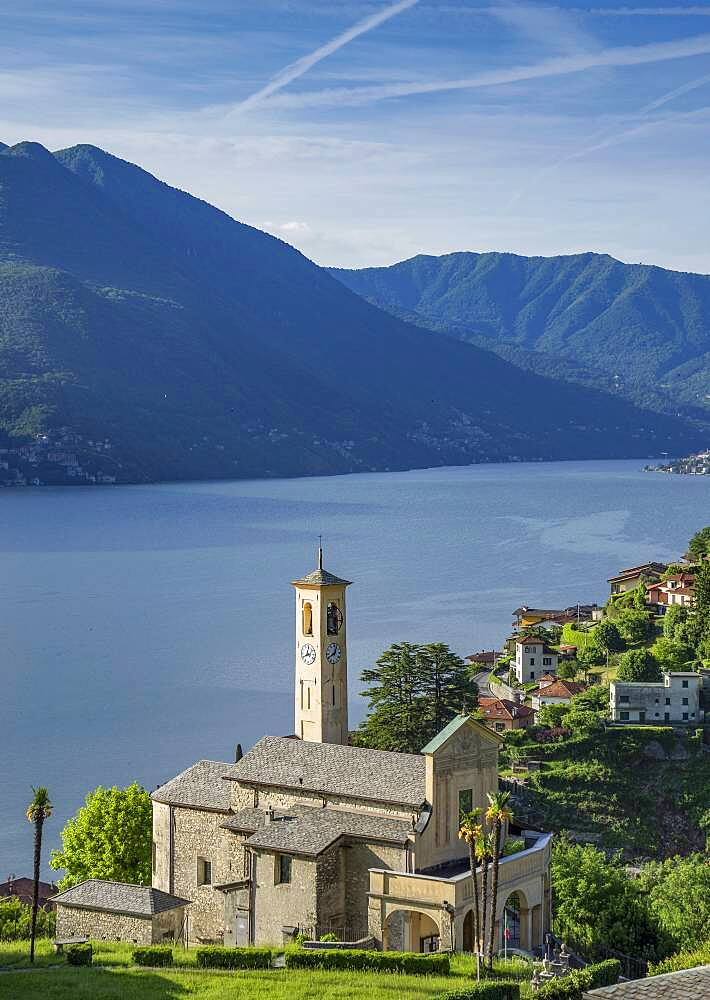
pixel 307 833
pixel 116 911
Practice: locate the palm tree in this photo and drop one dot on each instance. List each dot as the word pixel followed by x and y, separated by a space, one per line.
pixel 497 814
pixel 470 830
pixel 39 809
pixel 483 855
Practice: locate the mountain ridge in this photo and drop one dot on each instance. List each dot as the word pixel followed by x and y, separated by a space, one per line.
pixel 202 347
pixel 636 329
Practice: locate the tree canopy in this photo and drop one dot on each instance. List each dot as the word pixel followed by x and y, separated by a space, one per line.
pixel 638 665
pixel 679 893
pixel 110 837
pixel 597 905
pixel 699 544
pixel 413 692
pixel 634 625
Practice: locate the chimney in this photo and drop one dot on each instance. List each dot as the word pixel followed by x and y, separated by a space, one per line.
pixel 238 754
pixel 269 816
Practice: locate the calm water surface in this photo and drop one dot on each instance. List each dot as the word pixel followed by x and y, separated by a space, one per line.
pixel 142 628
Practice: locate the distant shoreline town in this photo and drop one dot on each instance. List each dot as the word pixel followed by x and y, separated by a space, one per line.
pixel 61 459
pixel 693 465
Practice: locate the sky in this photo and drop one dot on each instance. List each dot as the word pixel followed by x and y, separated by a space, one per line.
pixel 367 131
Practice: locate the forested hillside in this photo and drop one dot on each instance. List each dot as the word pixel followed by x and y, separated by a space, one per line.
pixel 638 331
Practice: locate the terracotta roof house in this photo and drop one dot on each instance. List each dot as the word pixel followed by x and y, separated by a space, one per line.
pixel 676 589
pixel 486 658
pixel 634 576
pixel 689 984
pixel 503 714
pixel 525 616
pixel 558 692
pixel 21 888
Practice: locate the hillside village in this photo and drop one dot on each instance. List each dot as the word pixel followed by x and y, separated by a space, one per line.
pixel 554 655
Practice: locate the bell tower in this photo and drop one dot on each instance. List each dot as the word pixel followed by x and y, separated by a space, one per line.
pixel 321 657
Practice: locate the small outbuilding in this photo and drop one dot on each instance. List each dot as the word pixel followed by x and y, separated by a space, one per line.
pixel 119 911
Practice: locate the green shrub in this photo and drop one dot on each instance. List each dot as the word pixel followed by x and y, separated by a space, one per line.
pixel 682 960
pixel 16 920
pixel 368 961
pixel 217 957
pixel 157 954
pixel 329 937
pixel 79 954
pixel 501 989
pixel 572 987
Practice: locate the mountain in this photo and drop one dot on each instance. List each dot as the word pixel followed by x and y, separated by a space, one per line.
pixel 133 313
pixel 632 329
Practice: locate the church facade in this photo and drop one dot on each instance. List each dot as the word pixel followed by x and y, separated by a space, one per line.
pixel 308 834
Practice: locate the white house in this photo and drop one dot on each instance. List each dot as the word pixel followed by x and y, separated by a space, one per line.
pixel 674 699
pixel 555 692
pixel 533 658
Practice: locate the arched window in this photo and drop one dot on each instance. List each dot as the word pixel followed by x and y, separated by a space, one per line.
pixel 307 618
pixel 334 618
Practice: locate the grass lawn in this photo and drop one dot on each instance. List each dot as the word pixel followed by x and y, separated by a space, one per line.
pixel 113 978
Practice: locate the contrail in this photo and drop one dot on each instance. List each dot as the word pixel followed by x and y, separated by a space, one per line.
pixel 629 55
pixel 302 65
pixel 604 139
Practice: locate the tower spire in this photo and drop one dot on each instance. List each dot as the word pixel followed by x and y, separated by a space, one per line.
pixel 320 552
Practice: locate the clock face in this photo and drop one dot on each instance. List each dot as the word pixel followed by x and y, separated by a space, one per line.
pixel 308 653
pixel 333 652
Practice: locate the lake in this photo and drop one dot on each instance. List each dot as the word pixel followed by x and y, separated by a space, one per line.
pixel 145 627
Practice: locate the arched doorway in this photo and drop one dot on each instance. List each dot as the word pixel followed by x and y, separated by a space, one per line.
pixel 410 930
pixel 468 943
pixel 510 924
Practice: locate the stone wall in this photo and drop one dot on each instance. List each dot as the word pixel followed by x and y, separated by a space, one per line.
pixel 284 798
pixel 100 926
pixel 198 834
pixel 276 906
pixel 330 887
pixel 359 858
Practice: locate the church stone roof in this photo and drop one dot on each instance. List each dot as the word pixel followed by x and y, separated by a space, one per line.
pixel 331 769
pixel 321 578
pixel 201 786
pixel 673 986
pixel 119 897
pixel 307 830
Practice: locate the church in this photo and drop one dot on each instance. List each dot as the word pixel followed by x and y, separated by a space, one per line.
pixel 306 834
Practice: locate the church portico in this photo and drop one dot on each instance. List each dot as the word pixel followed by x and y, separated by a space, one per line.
pixel 524 875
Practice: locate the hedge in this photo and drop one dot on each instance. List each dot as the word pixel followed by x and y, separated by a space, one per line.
pixel 501 989
pixel 79 954
pixel 682 960
pixel 217 957
pixel 572 987
pixel 368 961
pixel 157 954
